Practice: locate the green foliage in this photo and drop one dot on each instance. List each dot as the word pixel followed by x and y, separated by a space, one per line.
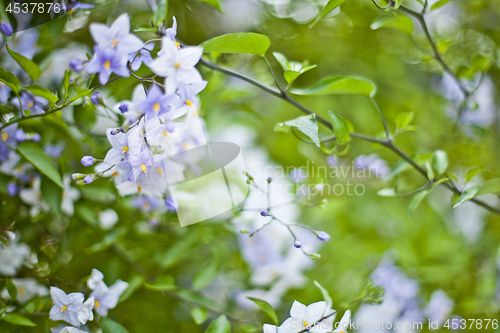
pixel 266 307
pixel 339 85
pixel 199 315
pixel 42 92
pixel 10 80
pixel 329 7
pixel 340 127
pixel 238 43
pixel 307 125
pixel 29 66
pixel 40 160
pixel 111 326
pixel 161 14
pixel 219 325
pixel 292 69
pixel 399 22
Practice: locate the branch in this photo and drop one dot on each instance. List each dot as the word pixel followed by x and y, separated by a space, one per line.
pixel 386 143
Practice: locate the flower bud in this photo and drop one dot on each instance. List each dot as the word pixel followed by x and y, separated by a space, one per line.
pixel 323 236
pixel 36 137
pixel 77 176
pixel 20 135
pixel 88 179
pixel 172 204
pixel 123 107
pixel 96 98
pixel 297 244
pixel 269 180
pixel 87 160
pixel 12 189
pixel 264 213
pixel 244 231
pixel 6 28
pixel 76 65
pixel 115 131
pixel 315 256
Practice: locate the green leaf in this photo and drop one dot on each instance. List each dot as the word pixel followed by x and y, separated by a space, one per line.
pixel 161 13
pixel 29 66
pixel 213 3
pixel 339 85
pixel 111 326
pixel 339 127
pixel 400 22
pixel 439 4
pixel 40 160
pixel 206 276
pixel 415 201
pixel 245 42
pixel 371 294
pixel 403 119
pixel 10 80
pixel 145 27
pixel 11 289
pixel 329 7
pixel 266 307
pixel 133 285
pixel 80 95
pixel 430 171
pixel 491 186
pixel 471 173
pixel 17 319
pixel 292 69
pixel 324 292
pixel 165 282
pixel 219 325
pixel 440 161
pixel 42 92
pixel 199 315
pixel 307 125
pixel 52 194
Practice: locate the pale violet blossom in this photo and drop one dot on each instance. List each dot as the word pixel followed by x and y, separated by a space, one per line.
pixel 105 297
pixel 177 65
pixel 33 196
pixel 306 317
pixel 85 314
pixel 117 36
pixel 70 195
pixel 12 257
pixel 66 306
pixel 108 218
pixel 27 288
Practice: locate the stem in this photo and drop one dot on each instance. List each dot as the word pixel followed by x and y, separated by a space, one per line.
pixel 386 143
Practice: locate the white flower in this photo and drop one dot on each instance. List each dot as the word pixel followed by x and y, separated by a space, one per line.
pixel 66 307
pixel 344 323
pixel 117 36
pixel 306 317
pixel 177 65
pixel 12 257
pixel 85 314
pixel 95 279
pixel 70 195
pixel 33 196
pixel 108 218
pixel 27 288
pixel 70 329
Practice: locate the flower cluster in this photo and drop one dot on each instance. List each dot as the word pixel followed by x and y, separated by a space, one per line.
pixel 75 310
pixel 139 158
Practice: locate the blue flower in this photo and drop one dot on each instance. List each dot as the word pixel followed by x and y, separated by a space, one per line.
pixel 107 61
pixel 66 307
pixel 141 163
pixel 12 189
pixel 172 204
pixel 323 236
pixel 6 28
pixel 146 203
pixel 188 92
pixel 4 93
pixel 87 160
pixel 157 103
pixel 144 56
pixel 106 298
pixel 117 37
pixel 30 102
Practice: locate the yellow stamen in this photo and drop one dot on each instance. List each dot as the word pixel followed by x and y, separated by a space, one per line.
pixel 305 323
pixel 114 174
pixel 114 42
pixel 177 65
pixel 107 64
pixel 124 150
pixel 145 206
pixel 70 11
pixel 178 44
pixel 5 136
pixel 97 304
pixel 21 291
pixel 31 104
pixel 188 103
pixel 160 171
pixel 156 107
pixel 143 168
pixel 165 133
pixel 64 308
pixel 139 189
pixel 19 168
pixel 185 145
